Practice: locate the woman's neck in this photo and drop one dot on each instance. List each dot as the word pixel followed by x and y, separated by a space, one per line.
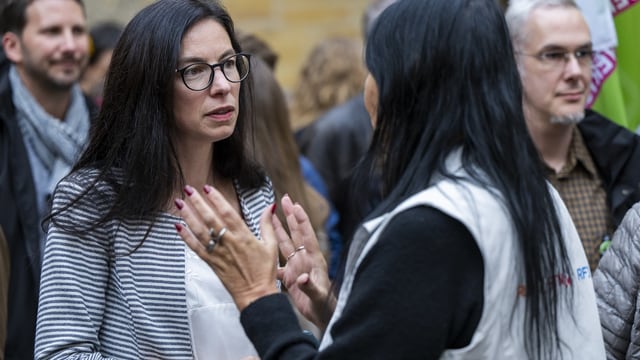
pixel 198 170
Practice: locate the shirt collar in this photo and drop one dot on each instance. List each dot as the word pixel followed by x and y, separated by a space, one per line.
pixel 578 154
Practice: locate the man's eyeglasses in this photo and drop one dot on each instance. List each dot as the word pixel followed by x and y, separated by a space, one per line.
pixel 199 76
pixel 560 58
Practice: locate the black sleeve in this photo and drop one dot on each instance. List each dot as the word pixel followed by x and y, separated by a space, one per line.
pixel 418 292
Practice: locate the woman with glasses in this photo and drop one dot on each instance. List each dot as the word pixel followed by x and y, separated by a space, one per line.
pixel 118 282
pixel 470 255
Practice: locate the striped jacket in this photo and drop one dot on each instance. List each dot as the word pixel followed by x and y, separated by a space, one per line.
pixel 128 306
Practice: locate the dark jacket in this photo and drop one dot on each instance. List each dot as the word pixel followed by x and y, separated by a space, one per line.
pixel 20 221
pixel 616 153
pixel 4 289
pixel 335 143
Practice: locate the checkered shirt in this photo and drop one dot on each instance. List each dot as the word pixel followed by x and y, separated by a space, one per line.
pixel 582 191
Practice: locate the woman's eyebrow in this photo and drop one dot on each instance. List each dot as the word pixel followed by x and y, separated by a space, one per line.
pixel 194 59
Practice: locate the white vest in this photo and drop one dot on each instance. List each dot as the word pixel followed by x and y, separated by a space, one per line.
pixel 499 334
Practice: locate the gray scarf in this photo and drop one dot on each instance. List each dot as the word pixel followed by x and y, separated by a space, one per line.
pixel 56 143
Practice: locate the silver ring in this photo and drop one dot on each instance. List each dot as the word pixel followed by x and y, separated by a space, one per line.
pixel 299 248
pixel 211 245
pixel 212 240
pixel 215 238
pixel 220 234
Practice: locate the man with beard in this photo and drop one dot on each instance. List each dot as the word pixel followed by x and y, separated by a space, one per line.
pixel 591 161
pixel 44 123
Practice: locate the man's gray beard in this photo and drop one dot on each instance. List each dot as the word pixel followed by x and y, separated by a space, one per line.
pixel 568 119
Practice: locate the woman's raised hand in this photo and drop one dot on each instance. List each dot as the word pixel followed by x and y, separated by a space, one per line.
pixel 305 274
pixel 216 232
pixel 248 267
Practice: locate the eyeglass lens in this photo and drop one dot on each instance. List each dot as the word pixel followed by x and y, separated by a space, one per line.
pixel 199 76
pixel 584 57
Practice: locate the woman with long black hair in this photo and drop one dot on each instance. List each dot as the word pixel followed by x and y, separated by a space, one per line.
pixel 470 255
pixel 117 281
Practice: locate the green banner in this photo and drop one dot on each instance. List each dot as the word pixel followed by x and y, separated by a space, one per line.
pixel 619 98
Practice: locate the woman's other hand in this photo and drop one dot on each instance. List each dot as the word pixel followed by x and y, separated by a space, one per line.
pixel 305 274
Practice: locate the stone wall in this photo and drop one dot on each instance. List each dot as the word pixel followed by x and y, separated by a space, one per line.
pixel 291 27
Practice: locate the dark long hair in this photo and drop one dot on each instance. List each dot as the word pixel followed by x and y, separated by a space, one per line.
pixel 133 130
pixel 276 149
pixel 447 80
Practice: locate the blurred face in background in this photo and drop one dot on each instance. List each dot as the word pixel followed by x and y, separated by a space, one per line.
pixel 52 50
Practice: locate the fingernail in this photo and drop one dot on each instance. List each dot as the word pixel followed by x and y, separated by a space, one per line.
pixel 179 204
pixel 178 227
pixel 207 189
pixel 273 208
pixel 188 190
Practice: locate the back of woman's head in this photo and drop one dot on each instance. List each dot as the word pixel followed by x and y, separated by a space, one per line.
pixel 332 73
pixel 270 108
pixel 275 147
pixel 447 80
pixel 133 129
pixel 256 46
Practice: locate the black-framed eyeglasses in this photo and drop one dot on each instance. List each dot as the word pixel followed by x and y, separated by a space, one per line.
pixel 199 76
pixel 559 58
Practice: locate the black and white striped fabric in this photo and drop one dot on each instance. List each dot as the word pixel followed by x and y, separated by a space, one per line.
pixel 128 306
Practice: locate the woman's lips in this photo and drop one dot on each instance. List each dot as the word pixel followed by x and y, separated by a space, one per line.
pixel 224 113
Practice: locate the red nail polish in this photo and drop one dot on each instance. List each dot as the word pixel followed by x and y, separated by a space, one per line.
pixel 179 204
pixel 178 227
pixel 188 190
pixel 207 189
pixel 273 208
